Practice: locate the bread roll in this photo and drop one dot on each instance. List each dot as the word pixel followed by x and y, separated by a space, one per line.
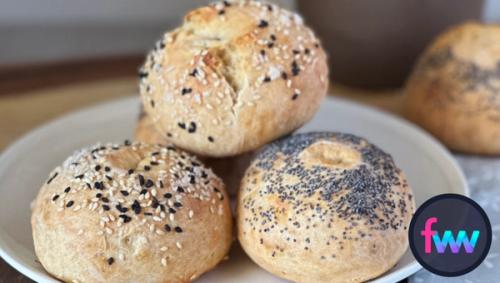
pixel 233 77
pixel 324 207
pixel 131 213
pixel 229 169
pixel 454 90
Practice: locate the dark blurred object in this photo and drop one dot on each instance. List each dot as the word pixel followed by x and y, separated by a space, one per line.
pixel 375 43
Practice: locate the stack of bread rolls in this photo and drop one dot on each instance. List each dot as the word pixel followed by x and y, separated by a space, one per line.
pixel 220 94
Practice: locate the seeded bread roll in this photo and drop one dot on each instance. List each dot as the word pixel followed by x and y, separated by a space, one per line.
pixel 454 90
pixel 233 77
pixel 324 207
pixel 229 169
pixel 131 213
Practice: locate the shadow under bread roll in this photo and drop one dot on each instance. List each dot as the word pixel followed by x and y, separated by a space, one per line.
pixel 324 207
pixel 230 169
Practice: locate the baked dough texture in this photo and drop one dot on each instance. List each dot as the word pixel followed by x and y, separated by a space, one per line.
pixel 324 207
pixel 229 169
pixel 131 213
pixel 454 90
pixel 233 77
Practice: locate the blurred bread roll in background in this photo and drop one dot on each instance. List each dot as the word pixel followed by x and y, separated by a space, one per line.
pixel 232 77
pixel 454 90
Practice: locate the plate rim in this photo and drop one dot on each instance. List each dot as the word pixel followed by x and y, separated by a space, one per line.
pixel 386 117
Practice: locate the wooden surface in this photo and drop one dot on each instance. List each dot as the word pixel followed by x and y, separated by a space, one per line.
pixel 36 95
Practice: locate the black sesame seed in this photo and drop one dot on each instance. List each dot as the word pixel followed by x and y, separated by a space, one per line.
pixel 270 45
pixel 130 171
pixel 192 127
pixel 167 228
pixel 98 195
pixel 263 52
pixel 186 90
pixel 105 207
pixel 141 180
pixel 152 103
pixel 67 190
pixel 149 183
pixel 111 261
pixel 79 176
pixel 161 184
pixel 143 191
pixel 97 167
pixel 263 24
pixel 121 209
pixel 171 210
pixel 269 7
pixel 147 168
pixel 167 195
pixel 154 163
pixel 143 74
pixel 307 51
pixel 109 178
pixel 273 37
pixel 105 199
pixel 107 169
pixel 267 79
pixel 192 179
pixel 222 12
pixel 296 52
pixel 125 218
pixel 178 229
pixel 127 142
pixel 52 178
pixel 295 68
pixel 194 72
pixel 181 125
pixel 295 96
pixel 136 207
pixel 54 198
pixel 70 203
pixel 177 204
pixel 180 189
pixel 98 185
pixel 210 139
pixel 227 4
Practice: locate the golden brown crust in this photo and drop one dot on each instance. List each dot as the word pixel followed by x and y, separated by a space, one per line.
pixel 229 169
pixel 454 89
pixel 324 207
pixel 233 77
pixel 131 213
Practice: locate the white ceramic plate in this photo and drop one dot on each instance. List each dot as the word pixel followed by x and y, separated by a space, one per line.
pixel 26 164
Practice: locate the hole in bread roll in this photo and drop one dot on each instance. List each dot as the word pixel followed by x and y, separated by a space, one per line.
pixel 331 154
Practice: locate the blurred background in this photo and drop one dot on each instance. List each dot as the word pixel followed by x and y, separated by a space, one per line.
pixel 50 32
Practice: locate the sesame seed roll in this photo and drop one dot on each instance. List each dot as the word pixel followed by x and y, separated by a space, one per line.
pixel 324 207
pixel 234 76
pixel 131 213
